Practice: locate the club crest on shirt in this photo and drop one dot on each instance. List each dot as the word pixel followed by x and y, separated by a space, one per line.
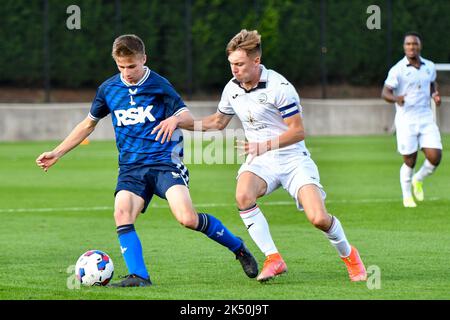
pixel 132 92
pixel 262 98
pixel 132 103
pixel 254 123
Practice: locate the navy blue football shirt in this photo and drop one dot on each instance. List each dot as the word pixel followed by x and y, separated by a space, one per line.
pixel 135 111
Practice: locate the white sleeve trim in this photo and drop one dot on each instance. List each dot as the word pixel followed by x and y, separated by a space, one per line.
pixel 184 109
pixel 94 118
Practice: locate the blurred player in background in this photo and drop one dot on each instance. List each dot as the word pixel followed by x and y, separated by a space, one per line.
pixel 410 84
pixel 270 111
pixel 138 99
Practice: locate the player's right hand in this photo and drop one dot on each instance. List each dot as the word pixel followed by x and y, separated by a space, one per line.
pixel 46 160
pixel 400 100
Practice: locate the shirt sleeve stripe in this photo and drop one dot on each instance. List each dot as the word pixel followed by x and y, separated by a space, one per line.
pixel 228 114
pixel 289 110
pixel 287 115
pixel 287 107
pixel 181 111
pixel 93 118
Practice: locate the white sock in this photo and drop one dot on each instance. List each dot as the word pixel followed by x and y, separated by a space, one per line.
pixel 406 174
pixel 426 170
pixel 337 238
pixel 258 228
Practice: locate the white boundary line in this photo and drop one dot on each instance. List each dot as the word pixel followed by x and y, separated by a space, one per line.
pixel 201 205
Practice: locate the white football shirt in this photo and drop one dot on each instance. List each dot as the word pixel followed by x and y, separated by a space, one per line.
pixel 407 80
pixel 263 108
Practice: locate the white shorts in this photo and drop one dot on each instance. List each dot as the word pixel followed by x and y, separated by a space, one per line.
pixel 414 135
pixel 291 171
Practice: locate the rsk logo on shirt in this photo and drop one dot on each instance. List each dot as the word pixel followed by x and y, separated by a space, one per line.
pixel 133 116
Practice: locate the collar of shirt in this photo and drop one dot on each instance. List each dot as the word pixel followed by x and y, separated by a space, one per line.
pixel 262 80
pixel 141 81
pixel 406 61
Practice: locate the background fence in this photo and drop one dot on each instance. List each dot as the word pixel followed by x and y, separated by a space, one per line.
pixel 321 117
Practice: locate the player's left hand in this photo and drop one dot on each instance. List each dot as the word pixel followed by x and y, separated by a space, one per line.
pixel 166 129
pixel 437 98
pixel 252 149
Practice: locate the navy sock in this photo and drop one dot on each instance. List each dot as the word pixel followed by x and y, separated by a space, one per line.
pixel 131 248
pixel 215 230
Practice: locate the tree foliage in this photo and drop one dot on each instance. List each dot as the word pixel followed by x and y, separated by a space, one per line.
pixel 290 31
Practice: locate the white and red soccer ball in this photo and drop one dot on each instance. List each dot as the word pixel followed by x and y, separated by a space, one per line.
pixel 94 268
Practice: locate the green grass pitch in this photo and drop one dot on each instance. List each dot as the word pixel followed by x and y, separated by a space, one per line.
pixel 49 219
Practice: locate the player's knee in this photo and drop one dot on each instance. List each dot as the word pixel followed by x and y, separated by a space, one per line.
pixel 244 200
pixel 410 159
pixel 123 217
pixel 410 162
pixel 187 218
pixel 321 220
pixel 435 160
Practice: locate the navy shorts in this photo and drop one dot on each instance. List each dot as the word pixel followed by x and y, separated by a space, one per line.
pixel 147 180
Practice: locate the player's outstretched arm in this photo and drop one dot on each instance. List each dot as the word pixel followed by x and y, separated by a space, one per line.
pixel 216 121
pixel 165 129
pixel 78 134
pixel 185 120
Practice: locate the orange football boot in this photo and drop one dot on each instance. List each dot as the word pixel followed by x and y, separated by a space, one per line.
pixel 355 266
pixel 274 266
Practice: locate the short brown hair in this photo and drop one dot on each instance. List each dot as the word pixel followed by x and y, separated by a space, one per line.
pixel 128 45
pixel 412 33
pixel 249 41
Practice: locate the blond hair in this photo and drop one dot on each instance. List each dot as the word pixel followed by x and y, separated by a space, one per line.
pixel 249 41
pixel 128 45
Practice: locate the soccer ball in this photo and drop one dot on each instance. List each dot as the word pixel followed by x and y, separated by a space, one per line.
pixel 94 268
